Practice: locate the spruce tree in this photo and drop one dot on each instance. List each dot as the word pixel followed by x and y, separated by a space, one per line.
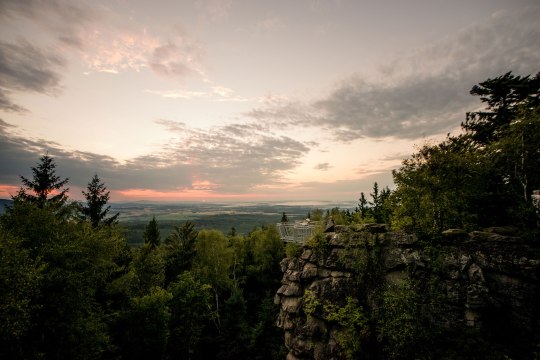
pixel 44 182
pixel 96 210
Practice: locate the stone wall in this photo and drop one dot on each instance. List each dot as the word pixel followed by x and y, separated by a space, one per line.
pixel 487 280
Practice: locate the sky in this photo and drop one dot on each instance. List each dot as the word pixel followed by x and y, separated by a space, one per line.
pixel 232 100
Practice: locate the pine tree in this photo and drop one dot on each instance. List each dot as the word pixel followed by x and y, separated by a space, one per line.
pixel 97 197
pixel 44 182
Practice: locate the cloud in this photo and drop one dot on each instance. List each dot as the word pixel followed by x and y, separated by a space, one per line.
pixel 52 14
pixel 214 10
pixel 29 68
pixel 7 105
pixel 323 166
pixel 106 41
pixel 24 67
pixel 235 157
pixel 424 94
pixel 178 58
pixel 231 159
pixel 215 93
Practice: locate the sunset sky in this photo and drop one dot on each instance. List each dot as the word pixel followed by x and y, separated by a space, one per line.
pixel 244 100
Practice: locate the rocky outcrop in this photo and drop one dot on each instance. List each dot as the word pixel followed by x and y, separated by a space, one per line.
pixel 485 281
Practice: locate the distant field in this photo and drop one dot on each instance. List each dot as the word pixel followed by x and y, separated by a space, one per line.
pixel 244 217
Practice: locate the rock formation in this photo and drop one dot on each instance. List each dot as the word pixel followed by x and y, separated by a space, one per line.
pixel 486 282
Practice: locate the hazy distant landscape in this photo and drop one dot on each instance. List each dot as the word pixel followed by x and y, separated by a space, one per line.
pixel 244 217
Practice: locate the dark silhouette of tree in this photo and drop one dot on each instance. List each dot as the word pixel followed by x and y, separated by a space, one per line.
pixel 152 237
pixel 44 182
pixel 362 206
pixel 96 210
pixel 504 95
pixel 284 218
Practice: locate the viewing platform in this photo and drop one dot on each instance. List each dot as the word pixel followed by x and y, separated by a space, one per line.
pixel 296 232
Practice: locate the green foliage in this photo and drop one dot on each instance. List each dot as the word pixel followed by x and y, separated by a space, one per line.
pixel 234 337
pixel 191 310
pixel 503 96
pixel 97 197
pixel 483 177
pixel 179 250
pixel 148 269
pixel 312 304
pixel 145 326
pixel 404 323
pixel 353 324
pixel 19 280
pixel 378 210
pixel 293 250
pixel 74 290
pixel 152 237
pixel 318 242
pixel 317 215
pixel 266 340
pixel 213 260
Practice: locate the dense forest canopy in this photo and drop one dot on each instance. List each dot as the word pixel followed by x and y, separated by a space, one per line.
pixel 73 289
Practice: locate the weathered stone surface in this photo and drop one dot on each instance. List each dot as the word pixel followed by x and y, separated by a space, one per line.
pixel 454 236
pixel 333 258
pixel 292 289
pixel 293 275
pixel 291 304
pixel 375 228
pixel 309 271
pixel 479 273
pixel 324 273
pixel 306 254
pixel 400 239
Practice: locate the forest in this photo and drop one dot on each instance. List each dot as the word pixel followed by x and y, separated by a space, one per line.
pixel 72 287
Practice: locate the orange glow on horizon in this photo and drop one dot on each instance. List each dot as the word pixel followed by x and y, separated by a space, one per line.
pixel 7 190
pixel 151 194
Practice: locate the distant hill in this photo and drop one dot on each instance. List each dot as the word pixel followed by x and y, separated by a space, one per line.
pixel 3 203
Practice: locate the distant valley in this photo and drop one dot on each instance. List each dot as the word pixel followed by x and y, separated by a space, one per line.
pixel 244 217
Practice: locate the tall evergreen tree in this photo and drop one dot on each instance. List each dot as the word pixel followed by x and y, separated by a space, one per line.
pixel 362 206
pixel 44 182
pixel 179 250
pixel 152 237
pixel 96 210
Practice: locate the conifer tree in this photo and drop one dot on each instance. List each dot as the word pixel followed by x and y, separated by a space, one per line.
pixel 44 182
pixel 152 237
pixel 96 210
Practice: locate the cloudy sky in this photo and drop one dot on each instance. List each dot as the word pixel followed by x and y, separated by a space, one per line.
pixel 242 99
